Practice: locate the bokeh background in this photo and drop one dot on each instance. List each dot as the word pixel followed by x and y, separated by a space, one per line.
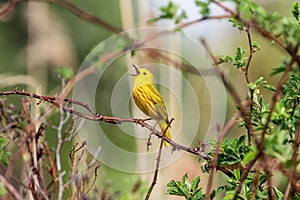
pixel 37 39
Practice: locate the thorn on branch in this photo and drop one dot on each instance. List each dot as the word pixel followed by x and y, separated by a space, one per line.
pixel 201 148
pixel 74 150
pixel 110 120
pixel 149 143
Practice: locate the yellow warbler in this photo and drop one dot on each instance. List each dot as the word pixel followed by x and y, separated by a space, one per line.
pixel 148 99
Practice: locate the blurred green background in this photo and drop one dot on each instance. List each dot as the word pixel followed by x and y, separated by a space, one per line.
pixel 38 38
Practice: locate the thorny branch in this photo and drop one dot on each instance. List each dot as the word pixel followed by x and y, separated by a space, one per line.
pixel 246 73
pixel 214 161
pixel 94 116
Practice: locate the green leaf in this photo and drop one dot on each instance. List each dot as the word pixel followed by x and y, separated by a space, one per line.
pixel 237 174
pixel 296 11
pixel 250 155
pixel 270 87
pixel 195 183
pixel 240 58
pixel 229 195
pixel 256 84
pixel 214 193
pixel 183 188
pixel 65 72
pixel 170 11
pixel 255 46
pixel 175 188
pixel 237 23
pixel 4 153
pixel 223 59
pixel 278 70
pixel 204 7
pixel 278 194
pixel 180 17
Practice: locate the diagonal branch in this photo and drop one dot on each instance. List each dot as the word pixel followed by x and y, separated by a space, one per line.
pixel 9 7
pixel 10 188
pixel 94 116
pixel 214 161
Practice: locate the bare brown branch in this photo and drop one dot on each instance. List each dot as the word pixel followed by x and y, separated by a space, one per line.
pixel 9 7
pixel 10 188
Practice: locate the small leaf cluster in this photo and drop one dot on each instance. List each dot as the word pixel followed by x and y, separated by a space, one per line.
pixel 190 191
pixel 204 7
pixel 286 114
pixel 254 180
pixel 239 61
pixel 232 151
pixel 170 11
pixel 283 123
pixel 65 72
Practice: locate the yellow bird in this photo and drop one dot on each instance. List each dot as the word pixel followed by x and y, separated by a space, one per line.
pixel 149 100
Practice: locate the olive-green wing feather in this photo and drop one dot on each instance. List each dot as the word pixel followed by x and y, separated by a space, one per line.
pixel 158 109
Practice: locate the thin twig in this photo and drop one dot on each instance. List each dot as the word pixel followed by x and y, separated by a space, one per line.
pixel 246 72
pixel 36 187
pixel 94 180
pixel 227 9
pixel 251 52
pixel 244 175
pixel 51 169
pixel 8 8
pixel 214 161
pixel 255 185
pixel 227 85
pixel 109 119
pixel 185 24
pixel 154 180
pixel 115 120
pixel 10 188
pixel 63 120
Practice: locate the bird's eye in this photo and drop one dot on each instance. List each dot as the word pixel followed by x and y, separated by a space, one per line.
pixel 144 73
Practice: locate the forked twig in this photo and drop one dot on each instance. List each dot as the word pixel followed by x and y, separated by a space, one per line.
pixel 154 180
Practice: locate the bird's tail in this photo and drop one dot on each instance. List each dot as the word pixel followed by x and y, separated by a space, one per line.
pixel 163 126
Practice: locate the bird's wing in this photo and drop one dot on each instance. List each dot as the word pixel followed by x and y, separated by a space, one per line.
pixel 158 110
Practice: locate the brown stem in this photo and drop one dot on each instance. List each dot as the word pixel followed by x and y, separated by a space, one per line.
pixel 94 116
pixel 214 161
pixel 68 6
pixel 94 180
pixel 154 180
pixel 244 175
pixel 183 25
pixel 10 188
pixel 251 52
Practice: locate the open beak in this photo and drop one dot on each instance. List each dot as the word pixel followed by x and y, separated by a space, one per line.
pixel 136 69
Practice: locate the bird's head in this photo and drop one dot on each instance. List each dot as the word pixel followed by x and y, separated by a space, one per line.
pixel 143 76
